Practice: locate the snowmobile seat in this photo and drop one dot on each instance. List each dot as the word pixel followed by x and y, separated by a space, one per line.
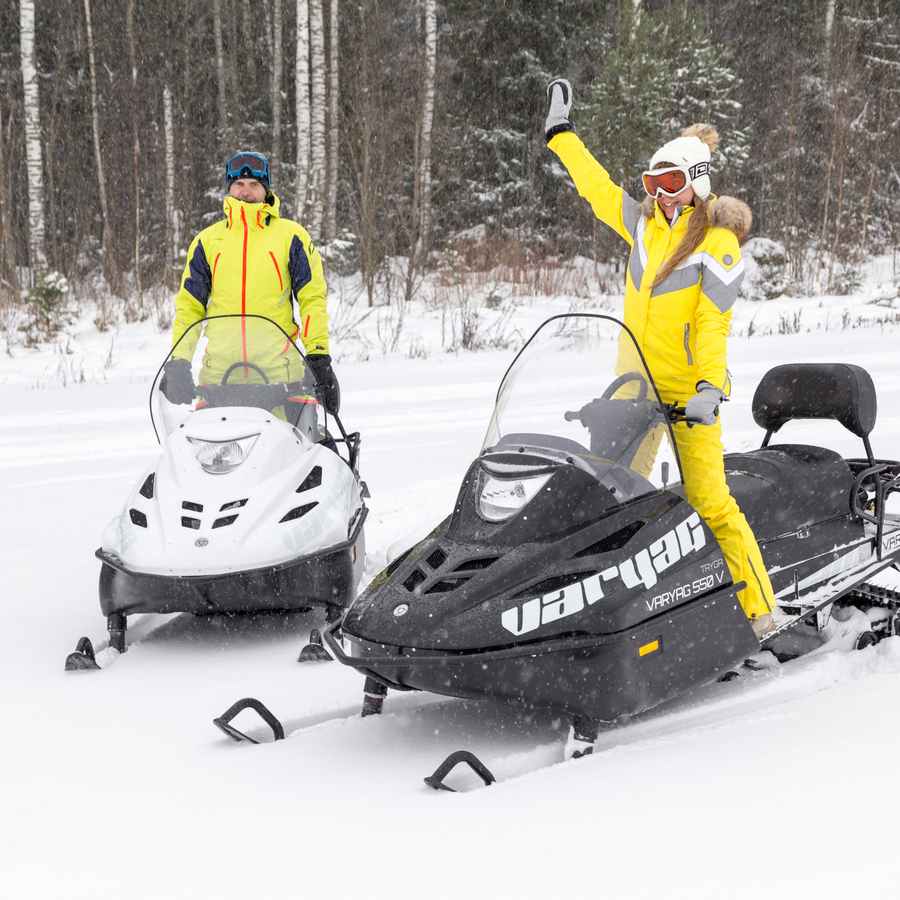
pixel 836 391
pixel 789 486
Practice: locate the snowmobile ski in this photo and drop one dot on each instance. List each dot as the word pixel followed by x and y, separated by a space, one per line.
pixel 83 659
pixel 223 722
pixel 436 780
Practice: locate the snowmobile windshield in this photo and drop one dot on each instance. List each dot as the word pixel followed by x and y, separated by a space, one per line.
pixel 579 391
pixel 235 361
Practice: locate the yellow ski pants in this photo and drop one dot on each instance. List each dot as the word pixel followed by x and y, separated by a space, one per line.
pixel 703 464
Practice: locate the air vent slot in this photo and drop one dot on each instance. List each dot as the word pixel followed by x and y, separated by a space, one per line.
pixel 611 542
pixel 436 558
pixel 414 580
pixel 476 565
pixel 137 517
pixel 445 587
pixel 193 507
pixel 188 522
pixel 235 504
pixel 313 480
pixel 298 511
pixel 147 487
pixel 225 520
pixel 557 583
pixel 397 562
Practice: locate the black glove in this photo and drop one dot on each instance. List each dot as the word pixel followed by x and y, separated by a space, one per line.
pixel 559 99
pixel 329 388
pixel 177 382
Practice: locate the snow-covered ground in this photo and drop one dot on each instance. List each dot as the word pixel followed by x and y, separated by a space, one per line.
pixel 116 783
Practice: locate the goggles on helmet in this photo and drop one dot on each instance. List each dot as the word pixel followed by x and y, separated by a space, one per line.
pixel 247 165
pixel 672 180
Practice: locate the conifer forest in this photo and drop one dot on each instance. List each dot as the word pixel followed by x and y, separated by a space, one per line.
pixel 413 130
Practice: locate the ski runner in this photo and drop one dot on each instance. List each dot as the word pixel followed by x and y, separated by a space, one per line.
pixel 682 279
pixel 252 262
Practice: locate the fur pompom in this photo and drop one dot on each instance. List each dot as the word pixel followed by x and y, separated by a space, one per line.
pixel 706 133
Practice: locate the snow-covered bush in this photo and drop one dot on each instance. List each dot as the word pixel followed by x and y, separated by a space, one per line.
pixel 47 306
pixel 847 281
pixel 767 277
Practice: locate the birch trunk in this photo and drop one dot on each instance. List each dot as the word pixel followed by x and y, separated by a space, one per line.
pixel 220 69
pixel 277 77
pixel 33 151
pixel 7 265
pixel 129 26
pixel 428 117
pixel 301 81
pixel 107 252
pixel 170 187
pixel 333 122
pixel 317 117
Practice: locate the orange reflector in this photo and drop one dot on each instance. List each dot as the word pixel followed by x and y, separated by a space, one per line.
pixel 648 648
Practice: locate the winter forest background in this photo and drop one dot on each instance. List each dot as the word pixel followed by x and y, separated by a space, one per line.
pixel 407 136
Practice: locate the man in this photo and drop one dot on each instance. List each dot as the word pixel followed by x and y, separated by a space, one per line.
pixel 251 263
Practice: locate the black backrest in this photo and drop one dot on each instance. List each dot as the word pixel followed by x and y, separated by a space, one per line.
pixel 816 391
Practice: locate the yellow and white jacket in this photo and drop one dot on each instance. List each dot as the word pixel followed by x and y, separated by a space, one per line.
pixel 681 324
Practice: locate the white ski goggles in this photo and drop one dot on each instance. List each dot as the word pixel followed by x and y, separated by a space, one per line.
pixel 672 180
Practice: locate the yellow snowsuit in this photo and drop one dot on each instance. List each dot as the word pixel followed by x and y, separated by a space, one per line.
pixel 681 327
pixel 251 263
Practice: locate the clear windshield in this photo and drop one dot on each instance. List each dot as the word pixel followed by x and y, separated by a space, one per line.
pixel 236 361
pixel 580 388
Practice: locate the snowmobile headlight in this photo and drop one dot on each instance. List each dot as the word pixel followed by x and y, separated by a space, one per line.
pixel 502 498
pixel 219 457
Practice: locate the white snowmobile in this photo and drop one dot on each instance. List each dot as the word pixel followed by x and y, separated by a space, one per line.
pixel 250 506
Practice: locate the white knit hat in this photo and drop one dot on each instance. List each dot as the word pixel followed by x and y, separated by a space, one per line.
pixel 693 153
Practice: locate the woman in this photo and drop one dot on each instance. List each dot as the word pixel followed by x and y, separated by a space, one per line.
pixel 682 279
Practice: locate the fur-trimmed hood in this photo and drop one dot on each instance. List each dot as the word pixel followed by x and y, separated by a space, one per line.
pixel 723 212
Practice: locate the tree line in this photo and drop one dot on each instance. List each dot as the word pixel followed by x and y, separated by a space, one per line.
pixel 407 128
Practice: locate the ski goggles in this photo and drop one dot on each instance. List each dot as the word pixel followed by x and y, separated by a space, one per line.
pixel 247 165
pixel 672 180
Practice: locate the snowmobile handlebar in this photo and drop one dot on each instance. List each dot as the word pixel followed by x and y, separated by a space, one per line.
pixel 261 396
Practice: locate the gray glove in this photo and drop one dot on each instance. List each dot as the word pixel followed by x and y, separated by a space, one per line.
pixel 703 407
pixel 559 98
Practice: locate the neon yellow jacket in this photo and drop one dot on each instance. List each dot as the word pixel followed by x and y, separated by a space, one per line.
pixel 680 325
pixel 252 262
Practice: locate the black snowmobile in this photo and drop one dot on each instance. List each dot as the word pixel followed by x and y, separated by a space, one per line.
pixel 574 576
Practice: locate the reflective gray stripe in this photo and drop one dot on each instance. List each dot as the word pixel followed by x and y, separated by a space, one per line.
pixel 637 262
pixel 721 285
pixel 685 276
pixel 631 213
pixel 687 343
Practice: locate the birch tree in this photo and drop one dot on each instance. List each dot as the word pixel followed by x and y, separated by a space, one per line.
pixel 170 187
pixel 317 117
pixel 277 72
pixel 427 118
pixel 301 83
pixel 220 68
pixel 333 122
pixel 33 150
pixel 108 255
pixel 129 27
